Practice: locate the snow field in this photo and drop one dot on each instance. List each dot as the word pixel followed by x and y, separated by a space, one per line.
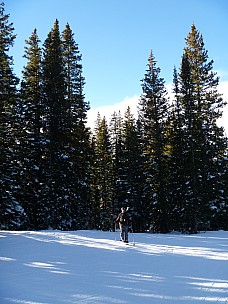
pixel 89 267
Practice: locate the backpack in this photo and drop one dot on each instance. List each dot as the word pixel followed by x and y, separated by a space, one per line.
pixel 124 218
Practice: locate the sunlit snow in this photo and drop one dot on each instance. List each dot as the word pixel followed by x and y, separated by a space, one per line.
pixel 89 267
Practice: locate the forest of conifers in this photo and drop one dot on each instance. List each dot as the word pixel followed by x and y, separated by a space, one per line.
pixel 168 165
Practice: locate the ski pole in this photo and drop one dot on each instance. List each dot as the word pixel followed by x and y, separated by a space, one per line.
pixel 133 236
pixel 115 231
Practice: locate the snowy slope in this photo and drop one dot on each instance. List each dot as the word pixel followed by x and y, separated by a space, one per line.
pixel 53 267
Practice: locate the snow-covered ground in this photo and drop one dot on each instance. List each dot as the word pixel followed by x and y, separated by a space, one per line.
pixel 53 267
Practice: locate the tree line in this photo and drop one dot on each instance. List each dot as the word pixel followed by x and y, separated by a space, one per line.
pixel 168 165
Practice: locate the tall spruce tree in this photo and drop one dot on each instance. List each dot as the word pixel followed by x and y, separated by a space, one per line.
pixel 56 113
pixel 198 106
pixel 33 179
pixel 78 146
pixel 153 112
pixel 177 180
pixel 12 215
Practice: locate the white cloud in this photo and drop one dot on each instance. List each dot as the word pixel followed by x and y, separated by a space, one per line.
pixel 222 73
pixel 108 110
pixel 223 88
pixel 132 102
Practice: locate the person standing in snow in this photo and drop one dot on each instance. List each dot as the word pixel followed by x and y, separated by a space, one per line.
pixel 123 220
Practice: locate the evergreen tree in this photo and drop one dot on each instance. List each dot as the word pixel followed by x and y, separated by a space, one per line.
pixel 202 140
pixel 133 171
pixel 177 180
pixel 218 177
pixel 94 222
pixel 153 112
pixel 12 214
pixel 104 175
pixel 33 180
pixel 119 174
pixel 55 119
pixel 78 147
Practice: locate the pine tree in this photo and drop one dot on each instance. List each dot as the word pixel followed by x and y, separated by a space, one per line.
pixel 12 214
pixel 133 171
pixel 55 119
pixel 78 150
pixel 153 113
pixel 177 179
pixel 119 174
pixel 94 221
pixel 104 175
pixel 201 106
pixel 33 180
pixel 218 187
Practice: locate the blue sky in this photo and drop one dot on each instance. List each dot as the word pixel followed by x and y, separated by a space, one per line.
pixel 115 38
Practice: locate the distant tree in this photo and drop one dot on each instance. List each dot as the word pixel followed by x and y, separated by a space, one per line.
pixel 153 111
pixel 133 171
pixel 119 174
pixel 94 221
pixel 104 175
pixel 12 215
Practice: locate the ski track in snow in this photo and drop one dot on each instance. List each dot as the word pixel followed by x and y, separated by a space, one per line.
pixel 91 267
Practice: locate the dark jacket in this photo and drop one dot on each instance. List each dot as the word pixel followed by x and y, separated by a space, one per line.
pixel 123 218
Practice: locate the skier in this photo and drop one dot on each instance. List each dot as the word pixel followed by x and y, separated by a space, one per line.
pixel 123 220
